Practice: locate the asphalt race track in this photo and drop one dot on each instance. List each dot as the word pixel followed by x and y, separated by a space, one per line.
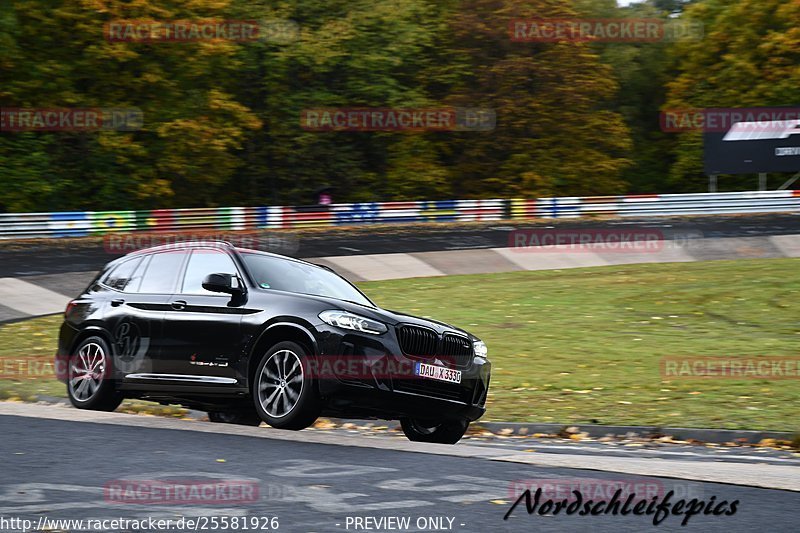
pixel 317 483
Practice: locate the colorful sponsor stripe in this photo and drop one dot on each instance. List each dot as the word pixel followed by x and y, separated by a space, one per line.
pixel 398 212
pixel 201 218
pixel 568 207
pixel 69 224
pixel 470 210
pixel 273 217
pixel 303 218
pixel 361 213
pixel 439 210
pixel 73 224
pixel 157 219
pixel 112 221
pixel 523 208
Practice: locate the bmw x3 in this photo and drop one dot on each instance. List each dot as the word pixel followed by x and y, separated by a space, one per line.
pixel 250 336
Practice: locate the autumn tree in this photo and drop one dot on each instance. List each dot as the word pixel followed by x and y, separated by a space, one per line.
pixel 555 133
pixel 748 58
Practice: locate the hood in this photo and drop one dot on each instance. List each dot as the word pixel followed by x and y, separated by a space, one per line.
pixel 386 316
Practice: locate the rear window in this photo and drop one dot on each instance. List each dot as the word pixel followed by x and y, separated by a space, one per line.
pixel 119 277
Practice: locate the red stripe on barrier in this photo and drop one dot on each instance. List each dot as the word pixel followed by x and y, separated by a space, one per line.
pixel 161 218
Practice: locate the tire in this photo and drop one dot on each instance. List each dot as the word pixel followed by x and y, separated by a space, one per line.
pixel 244 417
pixel 286 403
pixel 93 389
pixel 449 432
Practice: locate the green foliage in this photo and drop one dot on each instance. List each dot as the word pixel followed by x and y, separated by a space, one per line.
pixel 222 118
pixel 749 58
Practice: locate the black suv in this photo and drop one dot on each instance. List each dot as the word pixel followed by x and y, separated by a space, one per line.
pixel 251 336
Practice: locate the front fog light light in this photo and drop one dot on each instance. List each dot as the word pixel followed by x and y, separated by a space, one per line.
pixel 480 348
pixel 345 320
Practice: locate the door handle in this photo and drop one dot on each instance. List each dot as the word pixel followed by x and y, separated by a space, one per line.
pixel 178 305
pixel 117 302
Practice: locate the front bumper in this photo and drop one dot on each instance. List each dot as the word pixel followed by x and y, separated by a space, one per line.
pixel 378 380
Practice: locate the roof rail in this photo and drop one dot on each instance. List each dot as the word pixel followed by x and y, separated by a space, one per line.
pixel 185 244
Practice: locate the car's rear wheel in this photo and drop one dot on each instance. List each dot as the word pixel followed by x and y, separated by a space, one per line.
pixel 284 390
pixel 89 383
pixel 242 417
pixel 448 432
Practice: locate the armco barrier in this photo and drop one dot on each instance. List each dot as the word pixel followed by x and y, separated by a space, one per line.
pixel 84 223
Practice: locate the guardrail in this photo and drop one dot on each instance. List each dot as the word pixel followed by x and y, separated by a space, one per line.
pixel 85 223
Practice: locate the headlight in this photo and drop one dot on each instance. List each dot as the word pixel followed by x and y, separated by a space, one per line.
pixel 345 320
pixel 480 348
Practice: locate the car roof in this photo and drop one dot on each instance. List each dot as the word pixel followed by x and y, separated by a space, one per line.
pixel 222 245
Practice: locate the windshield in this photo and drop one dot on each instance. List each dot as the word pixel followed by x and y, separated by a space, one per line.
pixel 271 272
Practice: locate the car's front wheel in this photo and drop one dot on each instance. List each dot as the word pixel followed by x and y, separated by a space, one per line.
pixel 449 432
pixel 284 391
pixel 89 383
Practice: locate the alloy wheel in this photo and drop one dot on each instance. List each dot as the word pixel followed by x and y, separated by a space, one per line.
pixel 86 372
pixel 280 383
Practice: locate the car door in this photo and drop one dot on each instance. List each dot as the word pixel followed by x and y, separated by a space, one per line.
pixel 202 329
pixel 133 318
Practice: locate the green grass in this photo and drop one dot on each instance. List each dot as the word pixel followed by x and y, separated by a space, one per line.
pixel 581 346
pixel 584 345
pixel 26 366
pixel 26 359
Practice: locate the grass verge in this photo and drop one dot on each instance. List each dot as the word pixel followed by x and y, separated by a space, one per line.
pixel 585 345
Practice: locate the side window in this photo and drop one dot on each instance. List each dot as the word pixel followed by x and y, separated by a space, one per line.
pixel 162 272
pixel 138 274
pixel 202 263
pixel 120 277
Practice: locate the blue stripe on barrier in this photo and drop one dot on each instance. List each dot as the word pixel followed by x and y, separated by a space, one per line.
pixel 70 224
pixel 363 213
pixel 260 216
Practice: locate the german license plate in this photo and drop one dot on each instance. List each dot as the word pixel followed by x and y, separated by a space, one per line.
pixel 438 373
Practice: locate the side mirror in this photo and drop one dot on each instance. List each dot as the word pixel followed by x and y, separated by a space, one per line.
pixel 226 283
